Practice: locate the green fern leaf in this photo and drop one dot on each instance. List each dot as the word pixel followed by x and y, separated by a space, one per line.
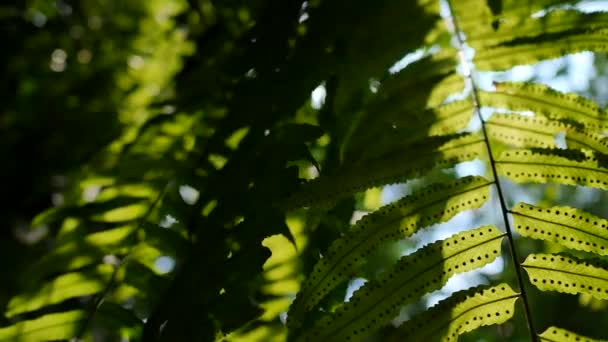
pixel 536 49
pixel 570 227
pixel 51 327
pixel 570 167
pixel 75 252
pixel 538 131
pixel 587 139
pixel 543 100
pixel 554 334
pixel 523 131
pixel 463 312
pixel 567 274
pixel 398 130
pixel 470 11
pixel 436 203
pixel 452 84
pixel 482 34
pixel 443 120
pixel 395 167
pixel 64 287
pixel 426 270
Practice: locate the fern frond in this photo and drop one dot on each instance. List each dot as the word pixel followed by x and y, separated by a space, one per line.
pixel 66 286
pixel 389 110
pixel 433 204
pixel 536 49
pixel 56 326
pixel 451 84
pixel 471 10
pixel 463 312
pixel 74 252
pixel 398 166
pixel 430 69
pixel 523 131
pixel 393 131
pixel 482 34
pixel 587 139
pixel 426 270
pixel 569 167
pixel 546 101
pixel 554 334
pixel 567 274
pixel 569 227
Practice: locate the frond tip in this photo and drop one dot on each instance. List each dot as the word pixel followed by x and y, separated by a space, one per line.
pixel 554 334
pixel 569 227
pixel 561 273
pixel 463 312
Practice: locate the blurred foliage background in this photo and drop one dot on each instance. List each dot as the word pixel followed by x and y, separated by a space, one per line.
pixel 177 123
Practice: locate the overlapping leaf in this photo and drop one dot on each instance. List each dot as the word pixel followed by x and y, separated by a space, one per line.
pixel 408 128
pixel 569 167
pixel 463 312
pixel 554 334
pixel 426 270
pixel 570 227
pixel 523 131
pixel 397 166
pixel 436 203
pixel 546 101
pixel 567 274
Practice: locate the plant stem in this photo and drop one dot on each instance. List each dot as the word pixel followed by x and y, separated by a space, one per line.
pixel 501 198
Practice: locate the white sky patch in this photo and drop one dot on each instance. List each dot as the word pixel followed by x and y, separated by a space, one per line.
pixel 471 168
pixel 167 221
pixel 406 60
pixel 353 286
pixel 164 264
pixel 188 194
pixel 392 193
pixel 581 69
pixel 90 193
pixel 592 6
pixel 136 62
pixel 465 281
pixel 317 97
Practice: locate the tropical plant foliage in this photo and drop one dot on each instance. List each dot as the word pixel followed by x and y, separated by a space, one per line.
pixel 220 205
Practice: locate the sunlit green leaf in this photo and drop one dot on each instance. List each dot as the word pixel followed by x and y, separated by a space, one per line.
pixel 63 287
pixel 570 227
pixel 568 167
pixel 57 326
pixel 567 274
pixel 546 101
pixel 436 203
pixel 399 165
pixel 523 131
pixel 554 334
pixel 378 301
pixel 463 312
